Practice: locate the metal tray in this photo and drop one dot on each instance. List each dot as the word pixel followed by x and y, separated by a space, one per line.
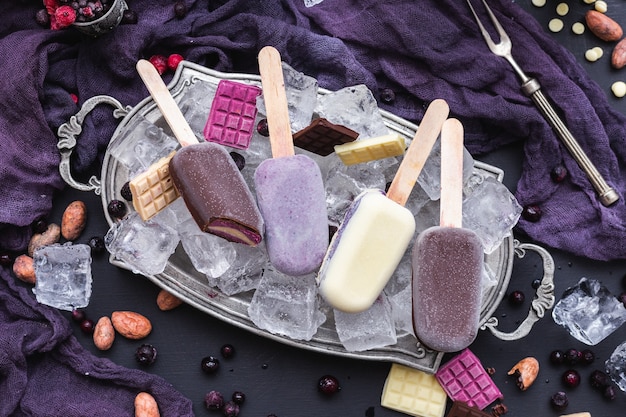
pixel 181 278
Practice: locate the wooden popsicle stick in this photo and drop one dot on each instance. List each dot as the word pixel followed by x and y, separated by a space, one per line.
pixel 276 107
pixel 419 149
pixel 163 98
pixel 451 202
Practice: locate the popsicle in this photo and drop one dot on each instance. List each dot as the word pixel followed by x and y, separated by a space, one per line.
pixel 205 175
pixel 447 261
pixel 289 188
pixel 377 229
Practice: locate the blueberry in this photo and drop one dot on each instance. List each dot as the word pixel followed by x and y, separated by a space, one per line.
pixel 587 356
pixel 571 378
pixel 210 364
pixel 129 17
pixel 230 409
pixel 532 213
pixel 125 191
pixel 262 128
pixel 214 400
pixel 558 173
pixel 572 356
pixel 227 351
pixel 238 397
pixel 517 298
pixel 536 283
pixel 116 209
pixel 146 354
pixel 328 385
pixel 96 243
pixel 559 401
pixel 240 161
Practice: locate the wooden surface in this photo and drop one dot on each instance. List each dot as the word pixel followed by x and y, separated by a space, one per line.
pixel 282 380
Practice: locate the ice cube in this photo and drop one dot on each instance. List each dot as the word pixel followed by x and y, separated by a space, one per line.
pixel 430 177
pixel 589 311
pixel 286 305
pixel 63 275
pixel 196 104
pixel 369 329
pixel 244 272
pixel 402 312
pixel 209 254
pixel 353 107
pixel 144 246
pixel 616 366
pixel 301 93
pixel 491 211
pixel 140 144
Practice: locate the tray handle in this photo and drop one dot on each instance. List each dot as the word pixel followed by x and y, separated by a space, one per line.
pixel 70 130
pixel 543 301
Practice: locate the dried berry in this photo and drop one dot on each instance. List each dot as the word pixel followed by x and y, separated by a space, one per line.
pixel 146 354
pixel 532 213
pixel 559 401
pixel 116 209
pixel 239 159
pixel 180 9
pixel 210 364
pixel 230 409
pixel 558 173
pixel 129 17
pixel 387 95
pixel 328 385
pixel 262 128
pixel 227 351
pixel 214 400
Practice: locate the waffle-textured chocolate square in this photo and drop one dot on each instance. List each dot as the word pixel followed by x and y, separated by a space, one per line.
pixel 321 136
pixel 461 409
pixel 413 392
pixel 465 379
pixel 232 115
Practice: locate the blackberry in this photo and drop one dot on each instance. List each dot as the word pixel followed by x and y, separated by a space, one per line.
pixel 146 354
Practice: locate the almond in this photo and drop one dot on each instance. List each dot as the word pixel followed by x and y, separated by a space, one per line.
pixel 51 235
pixel 603 26
pixel 130 324
pixel 103 334
pixel 24 269
pixel 74 220
pixel 526 372
pixel 146 406
pixel 618 57
pixel 167 301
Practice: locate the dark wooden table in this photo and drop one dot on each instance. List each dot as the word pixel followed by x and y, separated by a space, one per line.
pixel 281 379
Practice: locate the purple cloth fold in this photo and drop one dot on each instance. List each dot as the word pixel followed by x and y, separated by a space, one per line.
pixel 422 50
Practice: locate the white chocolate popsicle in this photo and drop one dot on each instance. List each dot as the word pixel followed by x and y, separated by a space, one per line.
pixel 377 229
pixel 447 262
pixel 289 188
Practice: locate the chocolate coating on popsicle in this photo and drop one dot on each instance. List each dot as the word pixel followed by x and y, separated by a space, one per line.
pixel 216 194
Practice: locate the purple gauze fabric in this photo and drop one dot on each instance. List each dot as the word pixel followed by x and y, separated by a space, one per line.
pixel 422 50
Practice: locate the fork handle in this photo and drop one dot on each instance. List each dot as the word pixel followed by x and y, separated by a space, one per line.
pixel 606 194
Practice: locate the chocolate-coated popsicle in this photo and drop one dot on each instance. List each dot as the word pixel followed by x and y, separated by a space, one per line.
pixel 377 229
pixel 289 188
pixel 447 262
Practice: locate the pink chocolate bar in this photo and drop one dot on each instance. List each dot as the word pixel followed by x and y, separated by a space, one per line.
pixel 232 116
pixel 465 379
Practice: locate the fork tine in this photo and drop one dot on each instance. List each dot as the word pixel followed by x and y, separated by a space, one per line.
pixel 504 46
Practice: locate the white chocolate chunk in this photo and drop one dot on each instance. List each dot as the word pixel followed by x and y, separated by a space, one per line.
pixel 555 25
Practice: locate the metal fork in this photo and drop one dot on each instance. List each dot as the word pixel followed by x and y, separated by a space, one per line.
pixel 532 89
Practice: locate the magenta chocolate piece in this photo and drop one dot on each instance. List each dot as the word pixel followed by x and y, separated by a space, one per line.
pixel 232 117
pixel 216 194
pixel 321 136
pixel 465 379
